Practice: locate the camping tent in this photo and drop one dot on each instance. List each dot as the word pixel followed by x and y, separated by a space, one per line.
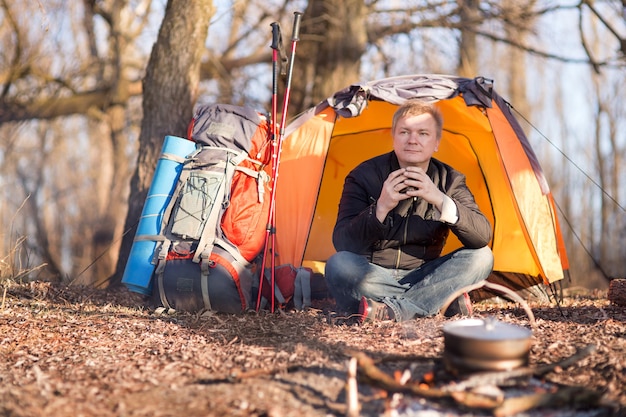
pixel 480 138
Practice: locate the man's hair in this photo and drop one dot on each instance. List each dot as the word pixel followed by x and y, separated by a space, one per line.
pixel 415 107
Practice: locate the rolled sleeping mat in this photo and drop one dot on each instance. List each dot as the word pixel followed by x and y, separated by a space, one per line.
pixel 139 267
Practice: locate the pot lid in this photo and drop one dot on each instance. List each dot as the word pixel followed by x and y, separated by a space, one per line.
pixel 485 329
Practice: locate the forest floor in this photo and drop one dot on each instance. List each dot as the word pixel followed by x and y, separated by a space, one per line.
pixel 79 351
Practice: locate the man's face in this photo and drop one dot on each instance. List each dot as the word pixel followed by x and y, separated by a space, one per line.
pixel 415 140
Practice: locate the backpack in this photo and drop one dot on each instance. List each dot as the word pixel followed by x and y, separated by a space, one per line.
pixel 218 212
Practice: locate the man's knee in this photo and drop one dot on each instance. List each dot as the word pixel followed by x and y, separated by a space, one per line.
pixel 481 260
pixel 484 257
pixel 339 263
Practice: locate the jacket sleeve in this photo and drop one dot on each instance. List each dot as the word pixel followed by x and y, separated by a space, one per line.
pixel 472 228
pixel 357 228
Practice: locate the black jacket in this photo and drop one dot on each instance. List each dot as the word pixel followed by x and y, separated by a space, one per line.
pixel 410 235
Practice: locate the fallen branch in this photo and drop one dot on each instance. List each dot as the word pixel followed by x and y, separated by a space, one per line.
pixel 352 395
pixel 575 397
pixel 565 363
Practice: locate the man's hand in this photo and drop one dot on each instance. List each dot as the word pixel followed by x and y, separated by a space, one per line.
pixel 406 183
pixel 420 185
pixel 393 191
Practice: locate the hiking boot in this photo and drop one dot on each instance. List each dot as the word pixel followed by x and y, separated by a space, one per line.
pixel 462 306
pixel 370 310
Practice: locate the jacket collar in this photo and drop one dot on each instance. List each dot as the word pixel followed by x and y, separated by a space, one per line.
pixel 394 164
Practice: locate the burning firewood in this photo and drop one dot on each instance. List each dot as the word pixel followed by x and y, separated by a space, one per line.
pixel 369 373
pixel 470 393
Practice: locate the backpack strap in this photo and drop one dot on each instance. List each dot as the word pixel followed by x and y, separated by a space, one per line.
pixel 278 294
pixel 160 253
pixel 172 157
pixel 261 177
pixel 207 239
pixel 280 298
pixel 205 264
pixel 162 249
pixel 302 289
pixel 210 232
pixel 162 294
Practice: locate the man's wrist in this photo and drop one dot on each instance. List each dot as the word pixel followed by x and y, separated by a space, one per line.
pixel 449 212
pixel 380 212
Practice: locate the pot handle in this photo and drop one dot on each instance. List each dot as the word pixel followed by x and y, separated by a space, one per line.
pixel 494 287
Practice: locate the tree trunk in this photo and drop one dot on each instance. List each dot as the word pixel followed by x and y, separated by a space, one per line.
pixel 169 94
pixel 468 51
pixel 333 40
pixel 112 203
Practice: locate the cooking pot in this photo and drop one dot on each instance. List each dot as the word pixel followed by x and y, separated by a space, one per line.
pixel 485 345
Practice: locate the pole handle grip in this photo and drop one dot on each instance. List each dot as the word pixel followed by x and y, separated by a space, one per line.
pixel 297 17
pixel 275 35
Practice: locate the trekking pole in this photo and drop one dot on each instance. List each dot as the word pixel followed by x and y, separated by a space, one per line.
pixel 270 235
pixel 277 69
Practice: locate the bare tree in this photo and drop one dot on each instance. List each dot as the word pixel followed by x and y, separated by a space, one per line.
pixel 609 150
pixel 83 78
pixel 170 92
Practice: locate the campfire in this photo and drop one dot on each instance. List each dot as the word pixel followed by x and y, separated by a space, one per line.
pixel 483 370
pixel 431 385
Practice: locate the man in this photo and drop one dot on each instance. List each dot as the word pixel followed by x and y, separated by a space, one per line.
pixel 395 214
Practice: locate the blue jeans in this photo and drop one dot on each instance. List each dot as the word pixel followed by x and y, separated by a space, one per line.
pixel 410 293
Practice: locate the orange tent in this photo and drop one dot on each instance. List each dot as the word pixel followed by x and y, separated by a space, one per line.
pixel 481 138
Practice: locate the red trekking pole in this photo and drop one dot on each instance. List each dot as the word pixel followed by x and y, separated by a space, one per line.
pixel 277 141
